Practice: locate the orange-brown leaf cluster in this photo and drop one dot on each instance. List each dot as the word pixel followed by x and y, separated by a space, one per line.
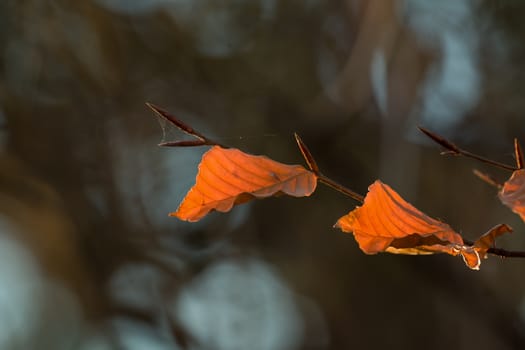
pixel 384 223
pixel 387 223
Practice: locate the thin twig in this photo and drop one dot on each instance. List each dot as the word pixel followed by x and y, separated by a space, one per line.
pixel 202 140
pixel 312 164
pixel 488 179
pixel 190 143
pixel 338 187
pixel 500 252
pixel 518 153
pixel 453 149
pixel 506 253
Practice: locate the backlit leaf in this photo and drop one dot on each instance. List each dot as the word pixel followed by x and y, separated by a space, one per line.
pixel 228 177
pixel 513 193
pixel 387 223
pixel 485 242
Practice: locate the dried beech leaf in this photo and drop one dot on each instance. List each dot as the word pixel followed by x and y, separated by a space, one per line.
pixel 228 177
pixel 513 193
pixel 471 257
pixel 485 242
pixel 387 223
pixel 386 220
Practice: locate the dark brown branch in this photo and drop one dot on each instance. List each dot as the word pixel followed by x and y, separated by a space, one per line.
pixel 202 140
pixel 506 253
pixel 453 149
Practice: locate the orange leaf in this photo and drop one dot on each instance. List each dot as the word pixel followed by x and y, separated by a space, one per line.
pixel 387 223
pixel 485 242
pixel 228 177
pixel 513 193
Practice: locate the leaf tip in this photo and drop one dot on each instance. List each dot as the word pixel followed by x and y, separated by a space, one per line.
pixel 154 108
pixel 337 224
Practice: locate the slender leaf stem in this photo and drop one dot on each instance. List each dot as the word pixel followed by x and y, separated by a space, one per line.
pixel 338 187
pixel 488 179
pixel 486 160
pixel 500 252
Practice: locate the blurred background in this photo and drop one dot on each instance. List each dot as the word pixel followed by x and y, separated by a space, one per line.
pixel 89 258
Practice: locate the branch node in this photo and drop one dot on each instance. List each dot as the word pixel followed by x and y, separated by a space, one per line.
pixel 307 155
pixel 202 140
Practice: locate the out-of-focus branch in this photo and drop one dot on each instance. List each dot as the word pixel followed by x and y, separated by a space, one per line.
pixel 455 150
